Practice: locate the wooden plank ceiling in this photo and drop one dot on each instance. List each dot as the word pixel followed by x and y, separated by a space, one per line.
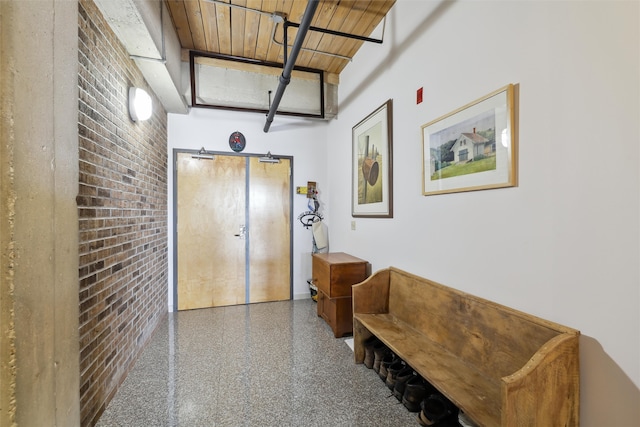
pixel 249 31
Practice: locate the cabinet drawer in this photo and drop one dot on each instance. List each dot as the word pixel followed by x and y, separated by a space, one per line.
pixel 335 273
pixel 321 275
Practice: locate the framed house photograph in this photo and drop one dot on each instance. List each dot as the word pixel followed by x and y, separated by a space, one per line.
pixel 372 165
pixel 471 148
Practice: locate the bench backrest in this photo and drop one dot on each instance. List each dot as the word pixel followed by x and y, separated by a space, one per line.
pixel 496 339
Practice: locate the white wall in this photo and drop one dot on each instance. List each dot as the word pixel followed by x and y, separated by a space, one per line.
pixel 305 140
pixel 564 244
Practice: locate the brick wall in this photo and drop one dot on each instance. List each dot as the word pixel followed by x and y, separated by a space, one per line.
pixel 122 205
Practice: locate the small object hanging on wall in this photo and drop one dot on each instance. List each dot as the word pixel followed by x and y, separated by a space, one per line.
pixel 312 193
pixel 237 141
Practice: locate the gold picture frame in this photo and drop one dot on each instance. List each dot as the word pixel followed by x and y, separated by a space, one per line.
pixel 473 147
pixel 372 164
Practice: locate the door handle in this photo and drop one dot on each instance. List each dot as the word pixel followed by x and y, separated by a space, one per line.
pixel 242 233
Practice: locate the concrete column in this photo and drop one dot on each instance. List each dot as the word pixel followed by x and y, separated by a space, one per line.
pixel 39 348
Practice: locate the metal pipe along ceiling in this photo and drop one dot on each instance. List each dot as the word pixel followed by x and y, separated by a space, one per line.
pixel 285 78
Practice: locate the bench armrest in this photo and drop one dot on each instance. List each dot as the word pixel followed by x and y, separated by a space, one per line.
pixel 372 295
pixel 554 367
pixel 368 297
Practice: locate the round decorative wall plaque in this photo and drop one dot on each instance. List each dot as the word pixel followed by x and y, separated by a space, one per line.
pixel 237 141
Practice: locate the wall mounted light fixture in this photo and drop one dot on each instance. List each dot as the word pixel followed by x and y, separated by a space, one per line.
pixel 140 104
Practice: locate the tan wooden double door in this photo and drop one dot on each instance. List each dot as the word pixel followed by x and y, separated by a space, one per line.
pixel 233 231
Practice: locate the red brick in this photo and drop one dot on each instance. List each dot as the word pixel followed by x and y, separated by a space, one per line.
pixel 122 204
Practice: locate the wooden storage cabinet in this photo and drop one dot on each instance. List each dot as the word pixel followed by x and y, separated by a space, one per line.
pixel 333 274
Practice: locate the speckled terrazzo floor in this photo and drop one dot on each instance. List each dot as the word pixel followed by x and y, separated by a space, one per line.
pixel 269 364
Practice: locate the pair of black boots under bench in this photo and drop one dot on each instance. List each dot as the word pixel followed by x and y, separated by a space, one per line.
pixel 415 393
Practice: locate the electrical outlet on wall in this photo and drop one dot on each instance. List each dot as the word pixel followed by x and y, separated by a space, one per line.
pixel 353 225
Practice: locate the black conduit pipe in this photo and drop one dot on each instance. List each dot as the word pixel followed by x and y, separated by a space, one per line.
pixel 285 78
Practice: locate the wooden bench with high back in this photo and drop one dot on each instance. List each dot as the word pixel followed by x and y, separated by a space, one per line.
pixel 502 367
